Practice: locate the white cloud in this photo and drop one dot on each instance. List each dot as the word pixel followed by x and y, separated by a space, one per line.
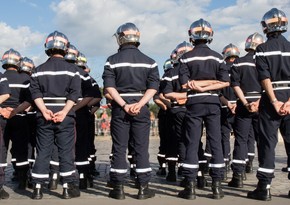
pixel 21 39
pixel 163 24
pixel 90 25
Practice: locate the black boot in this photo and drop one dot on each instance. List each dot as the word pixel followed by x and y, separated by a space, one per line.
pixel 262 192
pixel 22 178
pixel 90 181
pixel 244 176
pixel 92 170
pixel 249 166
pixel 3 194
pixel 133 171
pixel 117 192
pixel 144 192
pixel 217 190
pixel 200 180
pixel 171 176
pixel 162 166
pixel 70 190
pixel 237 181
pixel 161 171
pixel 188 192
pixel 53 182
pixel 225 175
pixel 83 181
pixel 37 192
pixel 179 171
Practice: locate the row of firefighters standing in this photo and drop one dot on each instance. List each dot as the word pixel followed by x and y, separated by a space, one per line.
pixel 69 98
pixel 193 86
pixel 196 81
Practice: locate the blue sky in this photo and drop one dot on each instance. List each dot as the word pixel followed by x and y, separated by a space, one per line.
pixel 90 24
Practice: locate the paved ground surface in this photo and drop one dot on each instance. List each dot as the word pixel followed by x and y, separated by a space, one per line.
pixel 165 192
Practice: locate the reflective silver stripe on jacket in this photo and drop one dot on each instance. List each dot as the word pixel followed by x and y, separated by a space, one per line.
pixel 281 85
pixel 202 94
pixel 130 94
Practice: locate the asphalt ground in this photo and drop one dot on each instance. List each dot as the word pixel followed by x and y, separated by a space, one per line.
pixel 166 192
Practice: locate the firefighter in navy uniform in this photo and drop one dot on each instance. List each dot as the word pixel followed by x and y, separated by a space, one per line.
pixel 228 100
pixel 204 72
pixel 244 81
pixel 93 106
pixel 55 88
pixel 273 66
pixel 16 128
pixel 164 105
pixel 27 66
pixel 71 57
pixel 131 78
pixel 82 123
pixel 4 95
pixel 178 96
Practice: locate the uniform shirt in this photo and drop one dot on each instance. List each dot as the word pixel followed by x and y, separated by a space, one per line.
pixel 87 89
pixel 19 86
pixel 162 84
pixel 4 85
pixel 56 79
pixel 273 60
pixel 130 71
pixel 244 74
pixel 86 84
pixel 228 92
pixel 202 63
pixel 96 89
pixel 172 82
